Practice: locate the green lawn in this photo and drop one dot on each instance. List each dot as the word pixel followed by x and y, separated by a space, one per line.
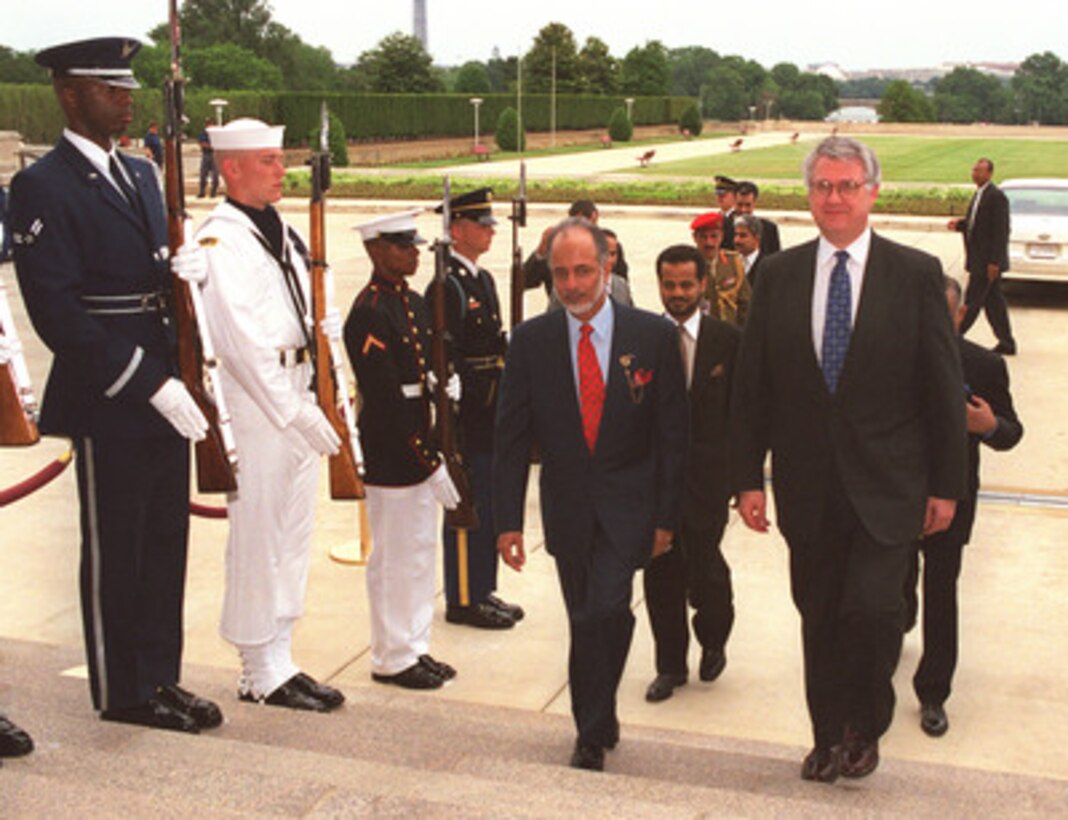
pixel 904 159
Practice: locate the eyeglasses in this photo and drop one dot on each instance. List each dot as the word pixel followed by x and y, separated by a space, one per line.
pixel 846 188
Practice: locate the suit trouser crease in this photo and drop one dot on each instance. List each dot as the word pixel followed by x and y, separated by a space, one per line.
pixel 134 499
pixel 400 574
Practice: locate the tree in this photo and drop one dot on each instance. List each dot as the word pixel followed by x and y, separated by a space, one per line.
pixel 724 96
pixel 336 142
pixel 510 135
pixel 152 65
pixel 646 71
pixel 472 78
pixel 209 22
pixel 19 68
pixel 690 121
pixel 689 69
pixel 304 67
pixel 398 65
pixel 598 70
pixel 903 103
pixel 620 128
pixel 785 75
pixel 230 67
pixel 1041 88
pixel 863 88
pixel 502 72
pixel 968 95
pixel 554 44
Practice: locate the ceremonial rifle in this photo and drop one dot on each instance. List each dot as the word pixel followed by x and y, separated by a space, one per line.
pixel 216 454
pixel 18 405
pixel 331 383
pixel 464 517
pixel 519 220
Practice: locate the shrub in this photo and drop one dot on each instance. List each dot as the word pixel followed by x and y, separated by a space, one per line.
pixel 336 140
pixel 510 136
pixel 620 128
pixel 690 120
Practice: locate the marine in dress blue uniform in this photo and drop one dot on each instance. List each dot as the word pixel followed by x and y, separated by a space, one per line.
pixel 91 259
pixel 477 345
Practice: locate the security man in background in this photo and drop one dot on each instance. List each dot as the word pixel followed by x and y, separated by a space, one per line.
pixel 91 258
pixel 477 345
pixel 387 336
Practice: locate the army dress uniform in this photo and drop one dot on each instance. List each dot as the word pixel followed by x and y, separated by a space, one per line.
pixel 92 267
pixel 728 291
pixel 387 336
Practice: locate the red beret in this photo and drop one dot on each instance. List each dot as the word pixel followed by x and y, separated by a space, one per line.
pixel 711 219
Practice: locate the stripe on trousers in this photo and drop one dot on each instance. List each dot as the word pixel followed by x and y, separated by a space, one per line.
pixel 94 575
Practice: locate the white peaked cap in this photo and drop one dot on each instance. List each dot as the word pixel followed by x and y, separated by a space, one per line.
pixel 245 134
pixel 399 223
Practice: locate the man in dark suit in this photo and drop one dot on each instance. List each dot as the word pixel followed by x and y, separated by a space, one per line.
pixel 748 243
pixel 91 258
pixel 985 232
pixel 612 455
pixel 745 203
pixel 726 197
pixel 694 569
pixel 992 421
pixel 849 373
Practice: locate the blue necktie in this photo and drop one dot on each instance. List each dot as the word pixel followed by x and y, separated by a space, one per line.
pixel 838 322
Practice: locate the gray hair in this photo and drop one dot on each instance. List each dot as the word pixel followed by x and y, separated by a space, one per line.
pixel 600 241
pixel 843 149
pixel 750 222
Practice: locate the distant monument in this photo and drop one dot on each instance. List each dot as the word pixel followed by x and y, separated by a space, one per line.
pixel 419 22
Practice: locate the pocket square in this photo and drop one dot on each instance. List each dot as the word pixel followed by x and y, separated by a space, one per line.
pixel 717 371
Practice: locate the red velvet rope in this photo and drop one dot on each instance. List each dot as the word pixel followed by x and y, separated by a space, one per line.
pixel 35 481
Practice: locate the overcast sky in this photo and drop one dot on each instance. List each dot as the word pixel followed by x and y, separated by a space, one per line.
pixel 856 35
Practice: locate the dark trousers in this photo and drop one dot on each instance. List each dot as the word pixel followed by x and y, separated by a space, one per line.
pixel 693 569
pixel 208 168
pixel 941 568
pixel 848 590
pixel 597 590
pixel 134 497
pixel 983 295
pixel 481 542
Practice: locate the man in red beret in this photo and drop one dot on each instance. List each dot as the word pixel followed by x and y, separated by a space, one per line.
pixel 727 291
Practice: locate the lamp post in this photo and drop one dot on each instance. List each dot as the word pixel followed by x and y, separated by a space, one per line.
pixel 752 113
pixel 630 109
pixel 476 102
pixel 219 104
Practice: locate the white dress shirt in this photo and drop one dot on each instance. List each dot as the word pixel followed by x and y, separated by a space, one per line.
pixel 825 262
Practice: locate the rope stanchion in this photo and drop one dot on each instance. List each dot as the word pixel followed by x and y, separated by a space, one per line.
pixel 37 480
pixel 204 511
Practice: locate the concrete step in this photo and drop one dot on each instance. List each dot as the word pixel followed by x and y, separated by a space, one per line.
pixel 390 752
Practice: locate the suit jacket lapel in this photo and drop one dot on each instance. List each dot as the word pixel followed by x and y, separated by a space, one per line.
pixel 559 361
pixel 88 173
pixel 800 292
pixel 874 294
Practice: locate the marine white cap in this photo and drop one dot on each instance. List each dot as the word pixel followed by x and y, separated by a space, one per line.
pixel 245 134
pixel 398 228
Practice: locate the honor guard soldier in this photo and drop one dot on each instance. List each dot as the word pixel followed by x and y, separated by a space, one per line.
pixel 477 345
pixel 727 292
pixel 726 198
pixel 91 258
pixel 387 335
pixel 258 300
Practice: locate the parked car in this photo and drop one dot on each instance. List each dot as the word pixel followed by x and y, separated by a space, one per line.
pixel 1038 244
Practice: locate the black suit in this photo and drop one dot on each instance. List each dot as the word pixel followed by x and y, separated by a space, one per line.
pixel 769 237
pixel 89 265
pixel 599 510
pixel 987 243
pixel 853 470
pixel 986 376
pixel 695 568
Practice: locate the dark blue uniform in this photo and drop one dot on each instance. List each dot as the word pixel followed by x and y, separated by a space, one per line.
pixel 93 272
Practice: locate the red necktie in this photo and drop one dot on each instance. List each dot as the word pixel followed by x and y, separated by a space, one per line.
pixel 591 387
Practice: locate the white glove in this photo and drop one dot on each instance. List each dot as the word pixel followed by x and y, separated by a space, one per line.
pixel 5 349
pixel 453 388
pixel 191 262
pixel 173 402
pixel 331 324
pixel 443 489
pixel 317 431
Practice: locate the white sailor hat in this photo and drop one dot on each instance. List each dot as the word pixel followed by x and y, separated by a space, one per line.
pixel 106 59
pixel 245 134
pixel 396 228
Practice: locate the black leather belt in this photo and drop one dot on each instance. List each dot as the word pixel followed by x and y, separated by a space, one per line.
pixel 126 304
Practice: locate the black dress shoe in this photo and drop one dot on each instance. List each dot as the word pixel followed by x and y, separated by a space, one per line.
pixel 860 756
pixel 587 756
pixel 933 719
pixel 713 662
pixel 663 686
pixel 439 668
pixel 514 610
pixel 206 714
pixel 155 714
pixel 291 696
pixel 822 764
pixel 310 686
pixel 481 616
pixel 416 676
pixel 14 742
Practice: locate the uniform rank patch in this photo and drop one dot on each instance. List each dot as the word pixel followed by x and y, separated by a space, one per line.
pixel 372 342
pixel 31 235
pixel 209 242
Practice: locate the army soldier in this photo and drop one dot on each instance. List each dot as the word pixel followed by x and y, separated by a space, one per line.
pixel 91 258
pixel 727 292
pixel 476 347
pixel 726 197
pixel 257 298
pixel 387 335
